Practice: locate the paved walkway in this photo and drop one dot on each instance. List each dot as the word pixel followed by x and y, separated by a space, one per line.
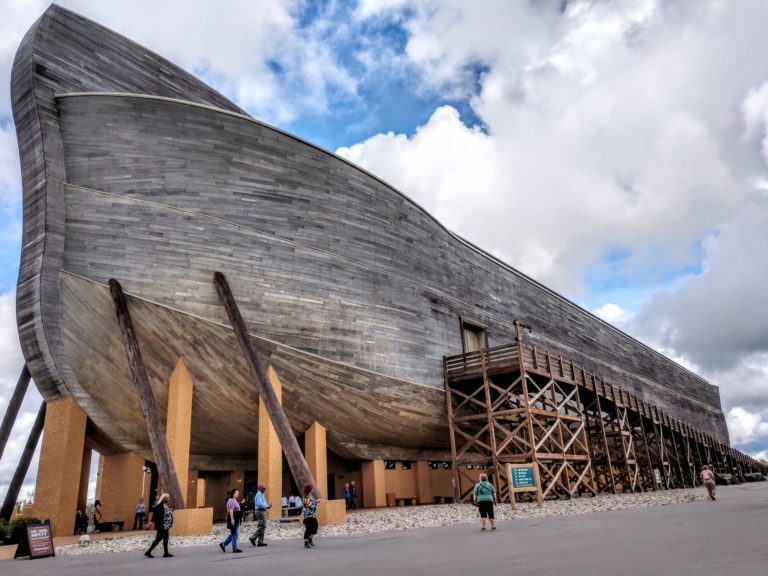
pixel 726 537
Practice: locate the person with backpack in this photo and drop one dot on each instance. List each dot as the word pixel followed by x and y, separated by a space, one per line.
pixel 484 497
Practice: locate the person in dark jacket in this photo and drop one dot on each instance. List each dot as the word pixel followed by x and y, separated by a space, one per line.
pixel 162 516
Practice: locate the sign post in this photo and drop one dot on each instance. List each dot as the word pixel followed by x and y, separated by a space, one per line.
pixel 524 478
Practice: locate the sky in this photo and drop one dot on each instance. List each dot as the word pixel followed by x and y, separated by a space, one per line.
pixel 616 151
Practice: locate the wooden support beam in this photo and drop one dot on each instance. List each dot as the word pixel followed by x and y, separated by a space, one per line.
pixel 21 470
pixel 157 439
pixel 13 408
pixel 293 455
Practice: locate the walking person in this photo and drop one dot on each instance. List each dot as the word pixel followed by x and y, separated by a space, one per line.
pixel 310 516
pixel 260 507
pixel 352 495
pixel 162 516
pixel 141 513
pixel 234 515
pixel 484 496
pixel 347 496
pixel 708 479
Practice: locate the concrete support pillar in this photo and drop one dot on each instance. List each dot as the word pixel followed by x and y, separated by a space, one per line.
pixel 270 455
pixel 193 520
pixel 201 492
pixel 61 459
pixel 120 477
pixel 191 495
pixel 85 472
pixel 423 483
pixel 178 428
pixel 374 484
pixel 316 453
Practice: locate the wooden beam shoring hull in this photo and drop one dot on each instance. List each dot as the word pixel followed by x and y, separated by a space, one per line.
pixel 9 418
pixel 293 455
pixel 155 429
pixel 21 470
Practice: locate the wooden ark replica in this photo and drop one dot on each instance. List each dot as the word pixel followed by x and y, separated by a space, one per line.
pixel 404 341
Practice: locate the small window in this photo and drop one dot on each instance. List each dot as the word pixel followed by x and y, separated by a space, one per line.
pixel 389 464
pixel 473 336
pixel 447 466
pixel 433 465
pixel 406 465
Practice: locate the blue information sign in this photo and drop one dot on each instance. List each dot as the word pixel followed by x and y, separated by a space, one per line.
pixel 523 478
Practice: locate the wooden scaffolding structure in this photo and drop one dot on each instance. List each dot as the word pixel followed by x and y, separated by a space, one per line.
pixel 517 403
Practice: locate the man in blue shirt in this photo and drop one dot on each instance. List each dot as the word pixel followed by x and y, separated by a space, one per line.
pixel 260 507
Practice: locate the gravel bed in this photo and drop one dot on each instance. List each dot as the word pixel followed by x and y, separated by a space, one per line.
pixel 401 518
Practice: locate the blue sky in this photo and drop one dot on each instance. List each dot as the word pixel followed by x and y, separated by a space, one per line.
pixel 616 151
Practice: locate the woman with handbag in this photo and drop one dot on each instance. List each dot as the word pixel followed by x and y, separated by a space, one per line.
pixel 234 515
pixel 163 519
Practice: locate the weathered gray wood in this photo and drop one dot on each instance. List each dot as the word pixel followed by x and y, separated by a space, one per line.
pixel 293 455
pixel 353 289
pixel 21 469
pixel 165 467
pixel 13 408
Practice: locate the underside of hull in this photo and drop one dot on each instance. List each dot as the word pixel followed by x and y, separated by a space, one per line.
pixel 352 292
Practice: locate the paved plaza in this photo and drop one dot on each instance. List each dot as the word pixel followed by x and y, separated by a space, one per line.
pixel 726 537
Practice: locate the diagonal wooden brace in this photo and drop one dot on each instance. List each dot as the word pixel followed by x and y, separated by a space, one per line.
pixel 296 461
pixel 155 428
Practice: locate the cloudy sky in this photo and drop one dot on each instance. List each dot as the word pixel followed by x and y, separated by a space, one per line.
pixel 616 151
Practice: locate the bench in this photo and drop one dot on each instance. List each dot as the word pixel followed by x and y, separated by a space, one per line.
pixel 109 526
pixel 291 511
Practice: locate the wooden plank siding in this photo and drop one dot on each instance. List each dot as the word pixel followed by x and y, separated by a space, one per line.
pixel 133 169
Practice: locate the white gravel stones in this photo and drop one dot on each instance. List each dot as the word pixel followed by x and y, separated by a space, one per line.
pixel 401 518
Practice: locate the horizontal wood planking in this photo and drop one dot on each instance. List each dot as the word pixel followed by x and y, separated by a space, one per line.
pixel 300 242
pixel 338 265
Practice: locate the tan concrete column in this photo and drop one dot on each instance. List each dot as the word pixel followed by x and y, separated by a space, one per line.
pixel 270 472
pixel 85 472
pixel 201 492
pixel 374 484
pixel 316 453
pixel 423 483
pixel 178 427
pixel 61 461
pixel 120 477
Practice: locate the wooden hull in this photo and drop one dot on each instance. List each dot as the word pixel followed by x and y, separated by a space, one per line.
pixel 349 289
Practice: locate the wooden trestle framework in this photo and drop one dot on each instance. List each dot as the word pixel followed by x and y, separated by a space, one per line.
pixel 517 403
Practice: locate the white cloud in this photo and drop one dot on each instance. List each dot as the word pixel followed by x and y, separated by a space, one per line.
pixel 745 426
pixel 755 109
pixel 598 137
pixel 255 52
pixel 613 314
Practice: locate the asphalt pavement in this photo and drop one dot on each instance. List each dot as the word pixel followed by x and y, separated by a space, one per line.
pixel 722 538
